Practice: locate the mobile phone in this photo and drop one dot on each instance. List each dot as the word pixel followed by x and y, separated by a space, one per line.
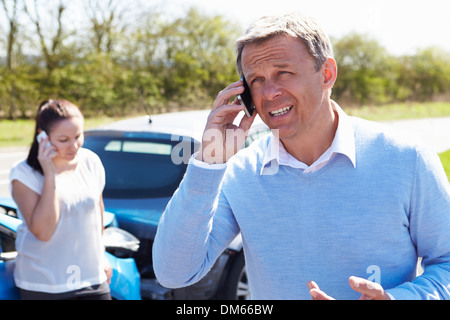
pixel 245 99
pixel 41 136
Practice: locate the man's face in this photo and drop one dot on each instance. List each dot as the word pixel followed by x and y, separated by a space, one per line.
pixel 288 92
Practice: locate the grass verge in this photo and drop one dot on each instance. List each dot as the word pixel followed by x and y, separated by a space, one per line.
pixel 445 159
pixel 18 133
pixel 400 111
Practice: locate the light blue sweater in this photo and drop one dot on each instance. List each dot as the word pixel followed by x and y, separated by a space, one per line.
pixel 372 221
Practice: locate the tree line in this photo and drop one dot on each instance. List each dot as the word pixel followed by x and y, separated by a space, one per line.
pixel 118 61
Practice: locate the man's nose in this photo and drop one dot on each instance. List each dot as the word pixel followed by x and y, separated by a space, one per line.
pixel 271 90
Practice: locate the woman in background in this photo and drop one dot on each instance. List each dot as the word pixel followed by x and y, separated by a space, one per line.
pixel 58 191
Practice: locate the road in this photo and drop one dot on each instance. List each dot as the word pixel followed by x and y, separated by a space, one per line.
pixel 8 156
pixel 432 132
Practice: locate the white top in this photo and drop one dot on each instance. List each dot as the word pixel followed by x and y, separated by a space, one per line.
pixel 74 256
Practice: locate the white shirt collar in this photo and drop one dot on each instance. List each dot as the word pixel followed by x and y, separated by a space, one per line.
pixel 343 143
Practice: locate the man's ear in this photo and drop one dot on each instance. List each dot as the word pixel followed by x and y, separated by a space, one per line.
pixel 329 71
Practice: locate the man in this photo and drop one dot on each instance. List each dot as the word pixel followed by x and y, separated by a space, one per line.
pixel 339 210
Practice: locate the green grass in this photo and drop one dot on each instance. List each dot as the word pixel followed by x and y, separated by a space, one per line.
pixel 445 159
pixel 16 133
pixel 19 132
pixel 399 111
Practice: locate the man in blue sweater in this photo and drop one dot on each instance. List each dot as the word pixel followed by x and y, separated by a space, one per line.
pixel 329 206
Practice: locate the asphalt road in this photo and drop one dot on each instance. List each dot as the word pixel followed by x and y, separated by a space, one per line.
pixel 433 132
pixel 8 156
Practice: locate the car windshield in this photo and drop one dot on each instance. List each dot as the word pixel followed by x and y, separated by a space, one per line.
pixel 137 168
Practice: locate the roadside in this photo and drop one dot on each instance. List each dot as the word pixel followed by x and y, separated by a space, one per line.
pixel 431 132
pixel 8 156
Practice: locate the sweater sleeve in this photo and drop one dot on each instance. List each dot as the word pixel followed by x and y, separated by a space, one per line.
pixel 429 230
pixel 194 229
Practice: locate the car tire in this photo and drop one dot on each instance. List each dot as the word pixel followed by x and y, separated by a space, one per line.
pixel 236 284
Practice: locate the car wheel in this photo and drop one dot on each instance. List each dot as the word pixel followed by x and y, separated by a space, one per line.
pixel 236 285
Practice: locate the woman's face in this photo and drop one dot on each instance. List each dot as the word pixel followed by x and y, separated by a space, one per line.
pixel 67 137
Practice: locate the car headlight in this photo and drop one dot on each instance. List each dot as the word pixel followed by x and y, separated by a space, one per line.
pixel 115 238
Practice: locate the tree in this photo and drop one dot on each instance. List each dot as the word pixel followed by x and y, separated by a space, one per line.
pixel 114 60
pixel 183 62
pixel 105 18
pixel 200 56
pixel 51 46
pixel 426 74
pixel 364 70
pixel 12 15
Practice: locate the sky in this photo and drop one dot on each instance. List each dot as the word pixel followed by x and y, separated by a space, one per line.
pixel 401 26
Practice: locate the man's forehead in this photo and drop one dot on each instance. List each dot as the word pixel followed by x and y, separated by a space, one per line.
pixel 279 51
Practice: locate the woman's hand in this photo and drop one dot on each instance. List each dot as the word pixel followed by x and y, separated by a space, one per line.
pixel 45 157
pixel 108 271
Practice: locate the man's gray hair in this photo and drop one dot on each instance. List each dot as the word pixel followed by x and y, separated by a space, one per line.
pixel 293 24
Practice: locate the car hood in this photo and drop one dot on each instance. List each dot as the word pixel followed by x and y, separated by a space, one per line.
pixel 9 203
pixel 140 217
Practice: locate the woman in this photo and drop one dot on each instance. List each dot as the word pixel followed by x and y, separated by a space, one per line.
pixel 58 190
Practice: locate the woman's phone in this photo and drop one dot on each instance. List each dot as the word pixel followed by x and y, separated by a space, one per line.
pixel 41 136
pixel 245 99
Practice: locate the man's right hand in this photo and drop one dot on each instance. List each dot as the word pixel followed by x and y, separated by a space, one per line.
pixel 222 139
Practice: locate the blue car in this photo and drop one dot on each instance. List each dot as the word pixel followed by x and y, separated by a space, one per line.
pixel 119 245
pixel 145 160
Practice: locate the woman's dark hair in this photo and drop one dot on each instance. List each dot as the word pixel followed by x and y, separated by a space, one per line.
pixel 49 113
